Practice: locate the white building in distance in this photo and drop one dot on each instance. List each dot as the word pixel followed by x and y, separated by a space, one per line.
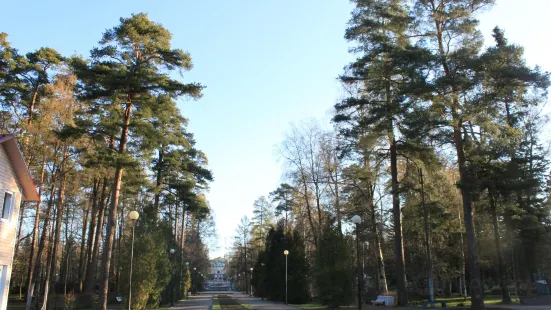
pixel 218 269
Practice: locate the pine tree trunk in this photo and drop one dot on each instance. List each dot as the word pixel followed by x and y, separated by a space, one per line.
pixel 527 257
pixel 31 264
pixel 338 211
pixel 83 249
pixel 183 229
pixel 397 220
pixel 501 265
pixel 158 182
pixel 337 202
pixel 30 110
pixel 67 263
pixel 89 276
pixel 120 259
pixel 113 214
pixel 64 266
pixel 19 229
pixel 91 270
pixel 477 291
pixel 65 270
pixel 246 268
pixel 35 286
pixel 59 221
pixel 30 269
pixel 463 263
pixel 175 230
pixel 383 286
pixel 113 270
pixel 514 264
pixel 48 270
pixel 109 239
pixel 381 274
pixel 287 214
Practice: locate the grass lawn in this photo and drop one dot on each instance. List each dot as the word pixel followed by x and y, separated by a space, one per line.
pixel 20 306
pixel 215 303
pixel 452 302
pixel 314 306
pixel 311 306
pixel 227 302
pixel 455 301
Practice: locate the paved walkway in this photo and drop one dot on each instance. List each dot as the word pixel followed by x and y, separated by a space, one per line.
pixel 204 302
pixel 259 304
pixel 197 302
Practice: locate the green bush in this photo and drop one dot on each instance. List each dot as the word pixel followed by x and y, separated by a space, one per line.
pixel 86 301
pixel 151 269
pixel 334 269
pixel 259 276
pixel 187 280
pixel 274 279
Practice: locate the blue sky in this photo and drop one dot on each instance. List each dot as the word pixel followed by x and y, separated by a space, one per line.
pixel 265 64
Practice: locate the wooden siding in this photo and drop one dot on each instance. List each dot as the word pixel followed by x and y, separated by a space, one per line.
pixel 8 227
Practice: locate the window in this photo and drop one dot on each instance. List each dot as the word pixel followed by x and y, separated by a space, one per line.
pixel 8 204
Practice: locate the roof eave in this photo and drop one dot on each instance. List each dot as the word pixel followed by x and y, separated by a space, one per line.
pixel 20 167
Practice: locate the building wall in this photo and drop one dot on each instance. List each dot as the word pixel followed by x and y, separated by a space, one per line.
pixel 218 270
pixel 7 227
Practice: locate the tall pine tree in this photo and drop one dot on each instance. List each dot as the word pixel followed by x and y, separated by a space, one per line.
pixel 447 29
pixel 386 74
pixel 128 73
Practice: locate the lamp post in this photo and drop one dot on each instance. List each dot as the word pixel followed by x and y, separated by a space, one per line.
pixel 262 276
pixel 251 281
pixel 286 253
pixel 171 283
pixel 195 279
pixel 133 217
pixel 356 219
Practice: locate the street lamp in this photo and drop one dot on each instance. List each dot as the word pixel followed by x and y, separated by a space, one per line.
pixel 171 283
pixel 263 288
pixel 195 279
pixel 286 253
pixel 133 217
pixel 187 267
pixel 356 219
pixel 251 281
